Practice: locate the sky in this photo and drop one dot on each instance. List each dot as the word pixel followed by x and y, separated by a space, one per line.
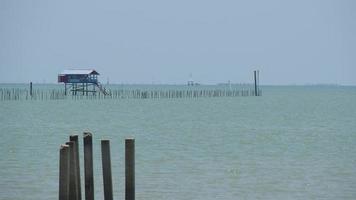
pixel 163 41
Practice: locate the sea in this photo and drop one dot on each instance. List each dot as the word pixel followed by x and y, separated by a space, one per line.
pixel 293 142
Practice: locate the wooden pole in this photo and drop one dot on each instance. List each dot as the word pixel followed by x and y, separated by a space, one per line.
pixel 255 77
pixel 130 169
pixel 107 178
pixel 74 138
pixel 258 83
pixel 64 172
pixel 31 89
pixel 88 166
pixel 73 189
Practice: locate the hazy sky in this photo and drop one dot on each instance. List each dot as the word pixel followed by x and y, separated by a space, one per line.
pixel 290 42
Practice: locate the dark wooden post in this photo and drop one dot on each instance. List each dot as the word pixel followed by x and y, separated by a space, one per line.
pixel 73 189
pixel 106 161
pixel 64 172
pixel 255 77
pixel 88 166
pixel 74 138
pixel 130 169
pixel 31 89
pixel 258 83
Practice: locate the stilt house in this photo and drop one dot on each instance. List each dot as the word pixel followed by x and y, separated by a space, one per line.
pixel 81 81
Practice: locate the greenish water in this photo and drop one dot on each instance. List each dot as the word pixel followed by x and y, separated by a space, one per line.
pixel 291 143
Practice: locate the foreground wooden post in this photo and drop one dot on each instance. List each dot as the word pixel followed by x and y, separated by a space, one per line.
pixel 73 188
pixel 130 169
pixel 64 172
pixel 74 138
pixel 107 179
pixel 88 166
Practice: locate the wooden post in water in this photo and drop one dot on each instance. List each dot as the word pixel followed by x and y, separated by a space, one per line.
pixel 74 138
pixel 64 172
pixel 73 189
pixel 106 162
pixel 258 83
pixel 31 89
pixel 130 169
pixel 255 77
pixel 88 166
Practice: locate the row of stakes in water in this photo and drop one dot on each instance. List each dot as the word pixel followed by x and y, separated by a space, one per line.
pixel 56 94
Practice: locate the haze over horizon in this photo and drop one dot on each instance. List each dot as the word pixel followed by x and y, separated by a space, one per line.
pixel 163 42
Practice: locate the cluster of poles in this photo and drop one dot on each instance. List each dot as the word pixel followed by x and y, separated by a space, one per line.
pixel 57 94
pixel 158 94
pixel 24 94
pixel 69 169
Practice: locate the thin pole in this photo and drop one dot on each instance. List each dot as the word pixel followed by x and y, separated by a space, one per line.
pixel 130 169
pixel 88 166
pixel 74 138
pixel 31 89
pixel 64 172
pixel 254 72
pixel 258 82
pixel 106 162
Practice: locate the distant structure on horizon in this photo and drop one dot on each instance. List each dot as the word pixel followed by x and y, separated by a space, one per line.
pixel 191 81
pixel 79 81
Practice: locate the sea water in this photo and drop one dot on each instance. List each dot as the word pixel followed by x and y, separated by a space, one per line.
pixel 291 143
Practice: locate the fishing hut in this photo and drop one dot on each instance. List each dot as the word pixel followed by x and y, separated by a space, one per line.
pixel 81 81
